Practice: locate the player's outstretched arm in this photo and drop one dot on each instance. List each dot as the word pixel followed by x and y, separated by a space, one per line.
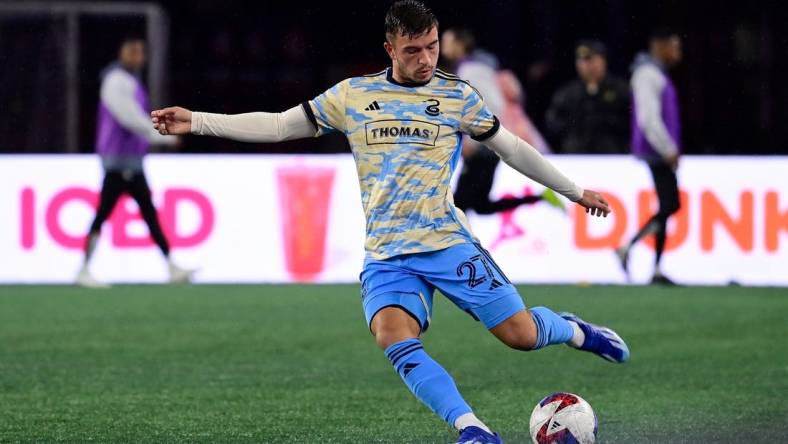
pixel 173 120
pixel 594 203
pixel 249 127
pixel 524 158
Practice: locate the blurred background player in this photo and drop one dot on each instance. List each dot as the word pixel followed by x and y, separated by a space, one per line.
pixel 590 114
pixel 479 68
pixel 656 137
pixel 123 135
pixel 513 114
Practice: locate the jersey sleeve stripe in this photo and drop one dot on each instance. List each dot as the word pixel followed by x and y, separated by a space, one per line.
pixel 457 79
pixel 489 133
pixel 447 74
pixel 376 74
pixel 310 114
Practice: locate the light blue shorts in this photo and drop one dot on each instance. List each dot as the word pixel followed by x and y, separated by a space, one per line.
pixel 464 273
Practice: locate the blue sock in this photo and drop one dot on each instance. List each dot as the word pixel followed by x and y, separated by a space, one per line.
pixel 550 328
pixel 427 379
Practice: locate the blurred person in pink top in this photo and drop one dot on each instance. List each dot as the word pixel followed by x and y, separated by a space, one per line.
pixel 513 113
pixel 479 69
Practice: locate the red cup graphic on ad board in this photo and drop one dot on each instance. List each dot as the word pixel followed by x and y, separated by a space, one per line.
pixel 304 199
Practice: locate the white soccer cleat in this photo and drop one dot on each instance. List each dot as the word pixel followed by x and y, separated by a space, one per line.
pixel 180 275
pixel 86 280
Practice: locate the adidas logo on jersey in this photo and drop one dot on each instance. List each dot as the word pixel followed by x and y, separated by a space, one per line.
pixel 373 106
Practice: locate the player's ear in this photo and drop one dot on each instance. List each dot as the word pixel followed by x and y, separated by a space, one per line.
pixel 389 50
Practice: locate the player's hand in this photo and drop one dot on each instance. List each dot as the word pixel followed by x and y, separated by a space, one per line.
pixel 469 149
pixel 173 120
pixel 594 203
pixel 673 161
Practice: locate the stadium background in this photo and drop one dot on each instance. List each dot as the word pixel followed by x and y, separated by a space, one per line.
pixel 293 363
pixel 234 56
pixel 237 57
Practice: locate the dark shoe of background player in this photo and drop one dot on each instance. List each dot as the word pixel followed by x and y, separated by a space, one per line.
pixel 660 279
pixel 622 253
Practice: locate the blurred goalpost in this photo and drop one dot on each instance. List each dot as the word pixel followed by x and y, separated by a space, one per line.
pixel 59 87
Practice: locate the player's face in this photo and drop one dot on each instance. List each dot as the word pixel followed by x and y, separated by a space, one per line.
pixel 673 51
pixel 414 59
pixel 450 47
pixel 669 51
pixel 592 68
pixel 132 55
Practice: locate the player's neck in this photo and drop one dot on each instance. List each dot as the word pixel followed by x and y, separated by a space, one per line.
pixel 395 77
pixel 657 58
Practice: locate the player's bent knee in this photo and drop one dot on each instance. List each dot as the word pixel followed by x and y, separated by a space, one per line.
pixel 391 325
pixel 385 337
pixel 518 332
pixel 521 341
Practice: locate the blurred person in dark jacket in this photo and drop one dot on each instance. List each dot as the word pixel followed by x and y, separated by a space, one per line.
pixel 590 115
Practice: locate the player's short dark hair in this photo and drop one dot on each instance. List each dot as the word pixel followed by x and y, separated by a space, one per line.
pixel 589 47
pixel 131 38
pixel 662 33
pixel 464 36
pixel 409 17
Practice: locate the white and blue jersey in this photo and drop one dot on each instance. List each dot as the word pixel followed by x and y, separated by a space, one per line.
pixel 406 140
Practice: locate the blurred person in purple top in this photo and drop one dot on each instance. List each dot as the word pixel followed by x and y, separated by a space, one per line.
pixel 656 137
pixel 123 135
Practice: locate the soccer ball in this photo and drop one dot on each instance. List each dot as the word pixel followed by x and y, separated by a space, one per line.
pixel 563 418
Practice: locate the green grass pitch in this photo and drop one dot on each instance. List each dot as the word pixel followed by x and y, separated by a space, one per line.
pixel 296 364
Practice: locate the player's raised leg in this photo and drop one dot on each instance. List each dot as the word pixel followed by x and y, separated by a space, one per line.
pixel 470 278
pixel 539 327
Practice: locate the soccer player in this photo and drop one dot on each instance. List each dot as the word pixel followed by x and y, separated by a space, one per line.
pixel 656 138
pixel 122 139
pixel 479 68
pixel 405 127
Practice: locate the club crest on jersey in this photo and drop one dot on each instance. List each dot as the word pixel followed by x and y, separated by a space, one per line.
pixel 396 131
pixel 432 109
